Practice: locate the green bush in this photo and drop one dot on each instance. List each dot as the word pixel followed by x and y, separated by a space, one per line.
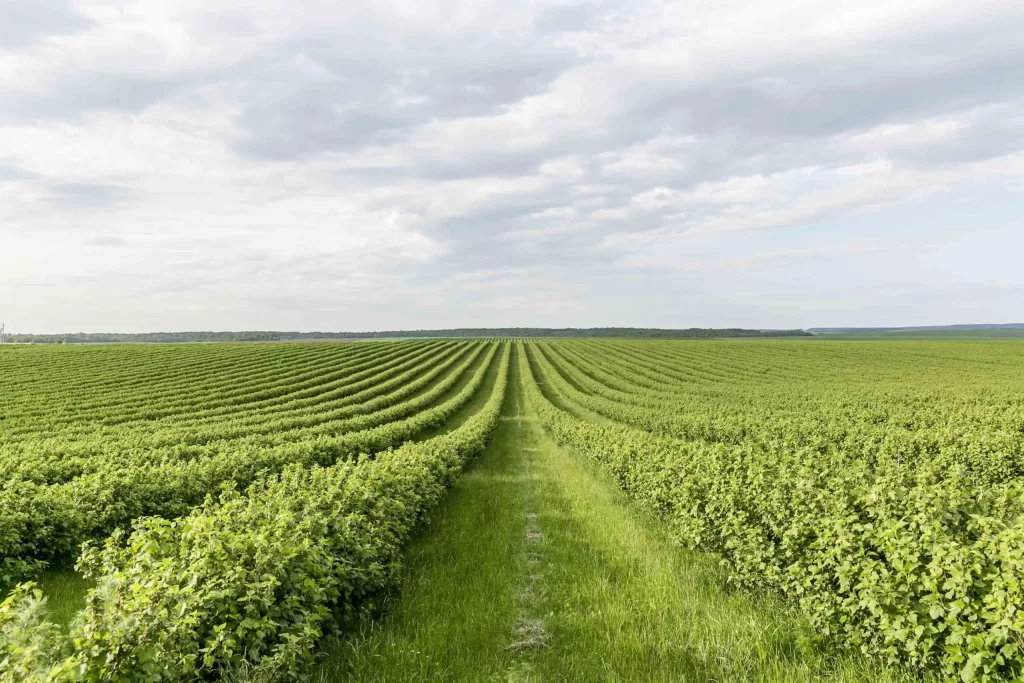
pixel 42 524
pixel 244 581
pixel 923 568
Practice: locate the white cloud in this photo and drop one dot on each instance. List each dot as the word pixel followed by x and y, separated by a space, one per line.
pixel 326 165
pixel 786 257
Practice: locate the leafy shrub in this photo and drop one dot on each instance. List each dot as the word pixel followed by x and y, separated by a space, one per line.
pixel 922 568
pixel 247 580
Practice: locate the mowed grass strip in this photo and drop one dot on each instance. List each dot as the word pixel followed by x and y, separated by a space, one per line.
pixel 453 617
pixel 537 568
pixel 65 591
pixel 623 602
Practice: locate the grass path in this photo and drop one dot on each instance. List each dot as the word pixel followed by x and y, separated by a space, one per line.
pixel 537 568
pixel 459 599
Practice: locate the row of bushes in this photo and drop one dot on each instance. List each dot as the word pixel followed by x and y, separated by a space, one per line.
pixel 42 524
pixel 986 438
pixel 53 461
pixel 247 580
pixel 116 428
pixel 925 568
pixel 147 382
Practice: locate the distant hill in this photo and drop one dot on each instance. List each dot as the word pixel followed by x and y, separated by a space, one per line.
pixel 192 337
pixel 949 335
pixel 925 328
pixel 949 332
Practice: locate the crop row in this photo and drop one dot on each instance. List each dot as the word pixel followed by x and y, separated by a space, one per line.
pixel 42 524
pixel 986 438
pixel 148 374
pixel 248 580
pixel 200 388
pixel 919 567
pixel 54 460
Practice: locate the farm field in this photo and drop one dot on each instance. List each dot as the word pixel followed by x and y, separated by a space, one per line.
pixel 513 510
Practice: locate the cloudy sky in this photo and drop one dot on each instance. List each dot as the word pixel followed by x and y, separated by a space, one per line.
pixel 314 165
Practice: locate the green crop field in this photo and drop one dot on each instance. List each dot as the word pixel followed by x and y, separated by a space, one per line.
pixel 513 510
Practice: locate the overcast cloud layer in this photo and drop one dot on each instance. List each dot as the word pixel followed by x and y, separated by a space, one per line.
pixel 296 164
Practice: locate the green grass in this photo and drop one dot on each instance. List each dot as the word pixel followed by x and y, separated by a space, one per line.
pixel 454 614
pixel 65 594
pixel 537 568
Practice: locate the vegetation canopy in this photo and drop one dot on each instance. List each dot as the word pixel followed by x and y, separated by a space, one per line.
pixel 227 507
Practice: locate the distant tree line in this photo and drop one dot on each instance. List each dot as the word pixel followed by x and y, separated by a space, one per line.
pixel 924 328
pixel 194 337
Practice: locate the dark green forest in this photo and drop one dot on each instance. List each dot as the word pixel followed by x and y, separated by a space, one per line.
pixel 193 337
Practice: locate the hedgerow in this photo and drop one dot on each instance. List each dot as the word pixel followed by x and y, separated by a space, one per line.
pixel 920 566
pixel 44 524
pixel 246 580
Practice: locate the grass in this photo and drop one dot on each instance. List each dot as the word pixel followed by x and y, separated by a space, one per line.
pixel 458 601
pixel 537 568
pixel 65 591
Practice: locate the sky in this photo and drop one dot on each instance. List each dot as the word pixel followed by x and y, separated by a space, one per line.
pixel 312 165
